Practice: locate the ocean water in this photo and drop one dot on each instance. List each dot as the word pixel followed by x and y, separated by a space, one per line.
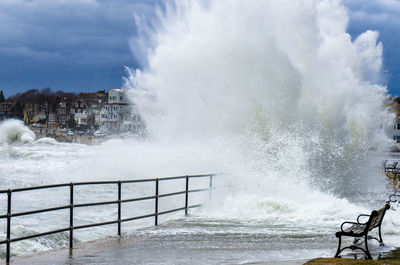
pixel 274 95
pixel 252 226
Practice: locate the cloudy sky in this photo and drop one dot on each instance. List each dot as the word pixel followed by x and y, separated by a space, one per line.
pixel 83 45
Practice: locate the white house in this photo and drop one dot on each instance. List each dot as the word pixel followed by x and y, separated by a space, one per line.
pixel 394 131
pixel 119 113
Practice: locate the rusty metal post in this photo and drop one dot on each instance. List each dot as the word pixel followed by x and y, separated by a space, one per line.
pixel 119 208
pixel 9 192
pixel 71 215
pixel 156 205
pixel 187 195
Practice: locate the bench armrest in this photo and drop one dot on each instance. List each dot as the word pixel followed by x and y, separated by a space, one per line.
pixel 345 223
pixel 362 215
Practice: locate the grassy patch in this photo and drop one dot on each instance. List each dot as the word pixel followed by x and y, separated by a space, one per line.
pixel 392 259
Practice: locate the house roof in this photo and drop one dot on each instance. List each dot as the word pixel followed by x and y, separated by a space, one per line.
pixel 8 105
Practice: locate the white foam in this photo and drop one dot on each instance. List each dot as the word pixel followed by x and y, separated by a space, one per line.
pixel 47 140
pixel 15 132
pixel 273 93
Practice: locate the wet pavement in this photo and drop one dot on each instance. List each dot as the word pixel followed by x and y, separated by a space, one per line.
pixel 146 250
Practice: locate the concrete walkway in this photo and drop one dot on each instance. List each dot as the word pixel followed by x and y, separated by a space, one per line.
pixel 147 249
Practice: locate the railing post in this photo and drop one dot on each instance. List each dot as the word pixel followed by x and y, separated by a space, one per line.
pixel 71 215
pixel 119 208
pixel 8 226
pixel 156 205
pixel 187 195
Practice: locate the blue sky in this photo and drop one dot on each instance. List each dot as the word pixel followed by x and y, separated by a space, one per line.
pixel 83 45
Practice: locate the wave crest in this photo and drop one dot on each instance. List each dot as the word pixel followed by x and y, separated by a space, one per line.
pixel 15 132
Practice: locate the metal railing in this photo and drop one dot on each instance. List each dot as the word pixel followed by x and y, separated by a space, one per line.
pixel 71 206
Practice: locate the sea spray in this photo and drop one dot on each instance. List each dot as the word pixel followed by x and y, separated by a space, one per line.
pixel 279 97
pixel 15 132
pixel 281 82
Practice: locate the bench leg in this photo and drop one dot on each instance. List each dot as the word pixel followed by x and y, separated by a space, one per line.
pixel 338 249
pixel 380 237
pixel 366 248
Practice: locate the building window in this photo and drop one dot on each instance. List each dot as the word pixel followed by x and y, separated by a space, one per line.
pixel 76 105
pixel 79 111
pixel 72 111
pixel 120 97
pixel 398 126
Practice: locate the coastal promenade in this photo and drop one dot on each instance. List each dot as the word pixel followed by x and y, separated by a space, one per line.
pixel 147 248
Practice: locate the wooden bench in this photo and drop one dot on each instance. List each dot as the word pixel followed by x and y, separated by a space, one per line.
pixel 360 229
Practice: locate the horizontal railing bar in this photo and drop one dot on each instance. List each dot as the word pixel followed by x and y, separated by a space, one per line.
pixel 162 195
pixel 179 209
pixel 171 211
pixel 88 183
pixel 195 206
pixel 37 187
pixel 138 199
pixel 171 194
pixel 98 203
pixel 102 183
pixel 138 217
pixel 95 224
pixel 40 211
pixel 199 190
pixel 180 192
pixel 38 235
pixel 201 176
pixel 183 177
pixel 138 180
pixel 160 213
pixel 94 204
pixel 172 178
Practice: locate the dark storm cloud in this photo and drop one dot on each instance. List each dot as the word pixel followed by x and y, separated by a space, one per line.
pixel 67 44
pixel 85 44
pixel 382 16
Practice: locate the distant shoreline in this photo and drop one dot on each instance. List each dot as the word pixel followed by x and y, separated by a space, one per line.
pixel 64 138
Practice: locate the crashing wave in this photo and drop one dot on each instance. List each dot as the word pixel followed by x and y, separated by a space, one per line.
pixel 15 132
pixel 281 82
pixel 47 141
